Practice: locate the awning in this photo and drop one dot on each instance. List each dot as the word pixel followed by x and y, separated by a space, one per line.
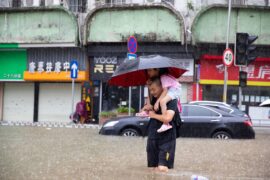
pixel 157 23
pixel 210 24
pixel 37 27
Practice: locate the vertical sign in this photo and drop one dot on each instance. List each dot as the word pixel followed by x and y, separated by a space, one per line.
pixel 132 48
pixel 73 75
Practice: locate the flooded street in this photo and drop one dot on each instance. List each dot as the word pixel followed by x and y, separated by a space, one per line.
pixel 80 153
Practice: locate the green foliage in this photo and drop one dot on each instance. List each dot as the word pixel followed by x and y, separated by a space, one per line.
pixel 112 114
pixel 108 114
pixel 123 109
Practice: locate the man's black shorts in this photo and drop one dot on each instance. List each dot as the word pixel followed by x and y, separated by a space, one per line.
pixel 160 153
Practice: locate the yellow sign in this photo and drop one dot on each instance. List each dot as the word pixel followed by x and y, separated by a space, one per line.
pixel 87 99
pixel 53 76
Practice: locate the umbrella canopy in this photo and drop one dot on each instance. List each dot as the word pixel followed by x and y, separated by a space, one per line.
pixel 133 72
pixel 266 103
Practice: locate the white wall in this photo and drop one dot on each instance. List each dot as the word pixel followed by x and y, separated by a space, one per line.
pixel 18 102
pixel 55 101
pixel 259 112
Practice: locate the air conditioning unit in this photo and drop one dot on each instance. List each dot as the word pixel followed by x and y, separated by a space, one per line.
pixel 30 3
pixel 56 2
pixel 36 2
pixel 153 1
pixel 5 3
pixel 238 2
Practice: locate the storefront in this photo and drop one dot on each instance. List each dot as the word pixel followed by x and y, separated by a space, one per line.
pixel 209 40
pixel 212 80
pixel 37 45
pixel 159 29
pixel 104 59
pixel 49 71
pixel 16 96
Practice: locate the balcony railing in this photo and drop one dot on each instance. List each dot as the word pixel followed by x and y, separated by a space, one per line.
pixel 120 2
pixel 73 5
pixel 76 6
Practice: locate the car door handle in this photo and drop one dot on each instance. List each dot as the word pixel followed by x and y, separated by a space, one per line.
pixel 215 120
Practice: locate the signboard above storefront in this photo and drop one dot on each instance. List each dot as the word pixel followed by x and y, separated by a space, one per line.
pixel 103 67
pixel 62 76
pixel 13 64
pixel 258 72
pixel 48 71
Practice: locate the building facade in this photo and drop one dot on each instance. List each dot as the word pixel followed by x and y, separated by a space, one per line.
pixel 39 39
pixel 209 43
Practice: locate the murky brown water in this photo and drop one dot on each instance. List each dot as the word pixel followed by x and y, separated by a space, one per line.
pixel 63 153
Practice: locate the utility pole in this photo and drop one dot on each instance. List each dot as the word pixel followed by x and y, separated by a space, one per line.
pixel 227 46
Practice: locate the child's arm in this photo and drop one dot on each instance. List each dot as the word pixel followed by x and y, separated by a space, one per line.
pixel 165 118
pixel 147 106
pixel 163 94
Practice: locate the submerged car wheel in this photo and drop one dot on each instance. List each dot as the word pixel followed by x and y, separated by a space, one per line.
pixel 222 135
pixel 130 132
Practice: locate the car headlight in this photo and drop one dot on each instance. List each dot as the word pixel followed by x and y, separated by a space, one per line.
pixel 111 124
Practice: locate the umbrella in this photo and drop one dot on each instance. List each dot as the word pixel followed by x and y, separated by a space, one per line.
pixel 132 72
pixel 266 103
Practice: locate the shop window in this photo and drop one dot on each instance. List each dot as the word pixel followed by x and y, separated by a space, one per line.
pixel 77 6
pixel 5 3
pixel 208 88
pixel 115 1
pixel 16 3
pixel 42 2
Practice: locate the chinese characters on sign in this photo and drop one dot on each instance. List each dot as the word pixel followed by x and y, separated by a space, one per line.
pixel 49 67
pixel 263 72
pixel 257 72
pixel 12 76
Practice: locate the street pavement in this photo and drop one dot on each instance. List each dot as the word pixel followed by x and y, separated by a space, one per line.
pixel 81 153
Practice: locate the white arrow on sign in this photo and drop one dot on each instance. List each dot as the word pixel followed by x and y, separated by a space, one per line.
pixel 74 68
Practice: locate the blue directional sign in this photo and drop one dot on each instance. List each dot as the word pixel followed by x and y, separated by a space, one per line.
pixel 74 69
pixel 131 56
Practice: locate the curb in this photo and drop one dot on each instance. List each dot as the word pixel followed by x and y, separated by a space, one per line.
pixel 48 124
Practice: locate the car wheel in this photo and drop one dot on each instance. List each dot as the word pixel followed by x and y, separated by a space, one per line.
pixel 222 135
pixel 130 132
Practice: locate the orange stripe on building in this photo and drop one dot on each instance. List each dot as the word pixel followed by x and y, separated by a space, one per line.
pixel 53 76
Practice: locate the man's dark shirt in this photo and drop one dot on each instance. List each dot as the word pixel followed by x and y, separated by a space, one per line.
pixel 154 124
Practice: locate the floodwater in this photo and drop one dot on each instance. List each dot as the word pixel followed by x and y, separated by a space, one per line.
pixel 75 153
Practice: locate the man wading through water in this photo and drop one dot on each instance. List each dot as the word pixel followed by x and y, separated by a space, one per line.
pixel 161 146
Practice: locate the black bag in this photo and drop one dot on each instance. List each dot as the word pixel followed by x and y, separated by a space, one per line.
pixel 178 122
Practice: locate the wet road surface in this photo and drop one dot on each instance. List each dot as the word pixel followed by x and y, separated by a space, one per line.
pixel 75 153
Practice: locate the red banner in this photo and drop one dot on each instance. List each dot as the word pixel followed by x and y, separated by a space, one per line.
pixel 212 71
